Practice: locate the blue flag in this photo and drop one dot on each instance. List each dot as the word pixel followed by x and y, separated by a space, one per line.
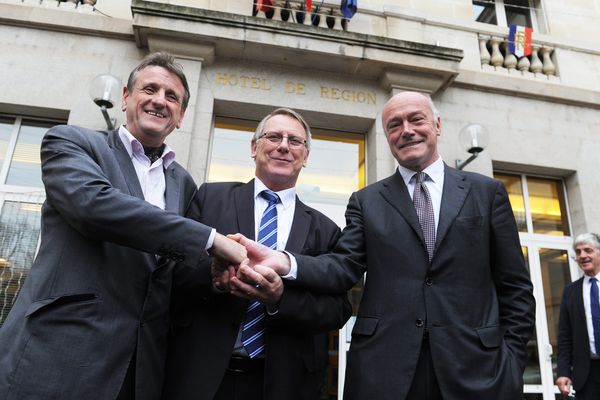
pixel 348 8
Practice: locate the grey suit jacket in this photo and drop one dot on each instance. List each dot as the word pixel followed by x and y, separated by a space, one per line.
pixel 206 324
pixel 475 298
pixel 573 339
pixel 96 296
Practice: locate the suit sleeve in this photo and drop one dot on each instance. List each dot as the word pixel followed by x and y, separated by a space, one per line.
pixel 511 278
pixel 565 337
pixel 338 271
pixel 194 280
pixel 80 190
pixel 308 312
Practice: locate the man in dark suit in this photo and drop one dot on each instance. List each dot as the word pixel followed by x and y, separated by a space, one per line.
pixel 92 319
pixel 579 325
pixel 208 355
pixel 448 305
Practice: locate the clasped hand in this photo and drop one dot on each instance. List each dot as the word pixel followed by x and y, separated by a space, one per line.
pixel 257 276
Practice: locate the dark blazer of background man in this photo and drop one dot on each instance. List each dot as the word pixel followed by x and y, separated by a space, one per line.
pixel 455 327
pixel 94 308
pixel 578 361
pixel 206 326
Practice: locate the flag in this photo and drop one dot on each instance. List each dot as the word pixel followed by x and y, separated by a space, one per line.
pixel 348 8
pixel 519 40
pixel 264 5
pixel 308 5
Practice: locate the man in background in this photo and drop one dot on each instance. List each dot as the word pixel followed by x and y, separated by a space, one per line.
pixel 579 325
pixel 260 339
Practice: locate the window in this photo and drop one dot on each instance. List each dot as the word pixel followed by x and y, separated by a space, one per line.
pixel 21 198
pixel 541 212
pixel 510 12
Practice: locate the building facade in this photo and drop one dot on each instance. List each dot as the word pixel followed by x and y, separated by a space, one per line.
pixel 542 111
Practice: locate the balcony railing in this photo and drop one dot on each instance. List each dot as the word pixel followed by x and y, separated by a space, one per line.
pixel 494 54
pixel 81 5
pixel 324 14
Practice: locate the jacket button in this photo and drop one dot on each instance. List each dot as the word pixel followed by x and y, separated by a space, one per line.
pixel 428 281
pixel 419 323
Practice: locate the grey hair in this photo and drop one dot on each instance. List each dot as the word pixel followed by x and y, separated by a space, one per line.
pixel 587 238
pixel 164 60
pixel 288 112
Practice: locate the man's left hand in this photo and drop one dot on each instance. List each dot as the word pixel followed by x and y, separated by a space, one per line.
pixel 257 282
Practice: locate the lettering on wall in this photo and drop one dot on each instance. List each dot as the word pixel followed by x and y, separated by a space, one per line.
pixel 293 88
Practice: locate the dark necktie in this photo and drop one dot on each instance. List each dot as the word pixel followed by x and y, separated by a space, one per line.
pixel 595 306
pixel 254 322
pixel 424 208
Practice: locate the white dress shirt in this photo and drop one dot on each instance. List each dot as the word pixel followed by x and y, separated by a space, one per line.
pixel 151 176
pixel 285 211
pixel 588 312
pixel 434 184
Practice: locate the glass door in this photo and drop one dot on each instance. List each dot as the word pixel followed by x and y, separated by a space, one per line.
pixel 540 209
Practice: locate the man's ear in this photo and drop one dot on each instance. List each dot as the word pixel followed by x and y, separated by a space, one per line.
pixel 124 99
pixel 253 148
pixel 438 126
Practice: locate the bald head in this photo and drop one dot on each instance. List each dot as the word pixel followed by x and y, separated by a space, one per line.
pixel 412 125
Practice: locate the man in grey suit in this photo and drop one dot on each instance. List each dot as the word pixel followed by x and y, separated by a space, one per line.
pixel 207 358
pixel 578 363
pixel 92 318
pixel 448 305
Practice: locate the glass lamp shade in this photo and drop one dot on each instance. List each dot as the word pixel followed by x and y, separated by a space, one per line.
pixel 105 90
pixel 474 138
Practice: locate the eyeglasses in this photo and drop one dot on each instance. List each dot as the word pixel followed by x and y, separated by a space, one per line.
pixel 277 138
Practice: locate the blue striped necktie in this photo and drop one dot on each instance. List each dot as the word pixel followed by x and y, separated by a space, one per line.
pixel 253 331
pixel 595 306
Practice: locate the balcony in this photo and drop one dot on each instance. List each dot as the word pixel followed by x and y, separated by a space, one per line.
pixel 326 14
pixel 494 56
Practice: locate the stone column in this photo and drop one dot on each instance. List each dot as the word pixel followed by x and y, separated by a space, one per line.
pixel 190 141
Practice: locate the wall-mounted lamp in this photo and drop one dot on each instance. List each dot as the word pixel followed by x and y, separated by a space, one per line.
pixel 473 138
pixel 105 91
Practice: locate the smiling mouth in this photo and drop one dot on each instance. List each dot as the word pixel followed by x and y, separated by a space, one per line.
pixel 156 114
pixel 410 144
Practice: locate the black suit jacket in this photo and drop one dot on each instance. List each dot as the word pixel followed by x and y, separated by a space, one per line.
pixel 206 326
pixel 475 298
pixel 573 340
pixel 96 295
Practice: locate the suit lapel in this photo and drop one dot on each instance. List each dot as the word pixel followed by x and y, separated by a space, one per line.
pixel 454 193
pixel 299 229
pixel 243 200
pixel 172 190
pixel 394 191
pixel 124 161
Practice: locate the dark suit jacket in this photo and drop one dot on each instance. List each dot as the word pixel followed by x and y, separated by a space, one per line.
pixel 474 298
pixel 206 326
pixel 573 339
pixel 96 295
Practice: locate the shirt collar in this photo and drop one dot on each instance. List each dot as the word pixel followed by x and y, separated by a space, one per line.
pixel 587 278
pixel 287 196
pixel 435 171
pixel 134 147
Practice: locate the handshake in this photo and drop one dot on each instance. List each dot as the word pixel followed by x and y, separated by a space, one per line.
pixel 248 269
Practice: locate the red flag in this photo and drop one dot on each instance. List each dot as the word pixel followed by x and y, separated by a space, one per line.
pixel 263 5
pixel 308 4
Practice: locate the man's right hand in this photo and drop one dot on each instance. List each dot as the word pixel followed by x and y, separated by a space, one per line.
pixel 228 251
pixel 259 254
pixel 564 385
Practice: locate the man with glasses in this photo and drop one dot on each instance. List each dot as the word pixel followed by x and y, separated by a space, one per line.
pixel 579 325
pixel 258 339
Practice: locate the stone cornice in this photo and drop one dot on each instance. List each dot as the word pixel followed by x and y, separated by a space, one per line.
pixel 277 42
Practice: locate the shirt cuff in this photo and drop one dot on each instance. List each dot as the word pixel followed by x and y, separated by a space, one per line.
pixel 211 239
pixel 293 273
